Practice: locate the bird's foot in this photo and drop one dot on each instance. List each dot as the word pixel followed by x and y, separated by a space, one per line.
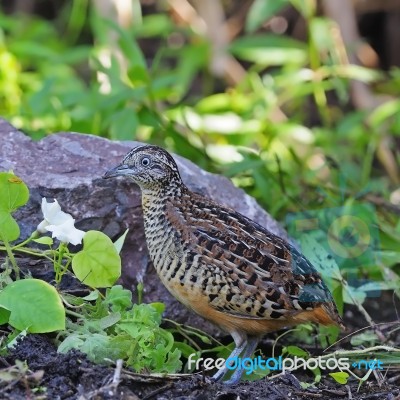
pixel 219 376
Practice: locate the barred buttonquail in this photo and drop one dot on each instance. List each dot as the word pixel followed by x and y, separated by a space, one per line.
pixel 219 263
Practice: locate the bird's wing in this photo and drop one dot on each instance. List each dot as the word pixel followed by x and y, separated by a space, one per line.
pixel 249 272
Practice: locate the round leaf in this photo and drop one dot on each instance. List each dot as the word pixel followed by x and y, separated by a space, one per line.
pixel 9 228
pixel 34 305
pixel 98 263
pixel 13 192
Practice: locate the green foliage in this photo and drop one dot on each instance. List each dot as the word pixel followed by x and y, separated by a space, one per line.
pixel 295 351
pixel 98 263
pixel 340 377
pixel 13 194
pixel 120 241
pixel 261 11
pixel 112 327
pixel 115 328
pixel 33 305
pixel 268 50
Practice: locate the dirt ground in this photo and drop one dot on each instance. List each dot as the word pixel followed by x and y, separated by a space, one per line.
pixel 71 376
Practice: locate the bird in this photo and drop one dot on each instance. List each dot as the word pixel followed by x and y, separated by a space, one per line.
pixel 220 264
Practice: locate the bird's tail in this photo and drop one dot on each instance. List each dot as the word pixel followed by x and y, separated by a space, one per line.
pixel 327 314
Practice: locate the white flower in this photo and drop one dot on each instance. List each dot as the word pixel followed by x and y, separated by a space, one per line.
pixel 59 223
pixel 52 215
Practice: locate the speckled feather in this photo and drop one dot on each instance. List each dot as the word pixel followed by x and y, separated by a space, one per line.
pixel 221 264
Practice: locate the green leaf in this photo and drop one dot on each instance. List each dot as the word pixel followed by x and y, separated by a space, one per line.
pixel 192 59
pixel 159 307
pixel 185 349
pixel 375 286
pixel 352 295
pixel 320 31
pixel 138 75
pixel 44 240
pixel 13 192
pixel 389 257
pixel 94 295
pixel 306 7
pixel 98 263
pixel 328 335
pixel 72 341
pixel 367 338
pixel 306 385
pixel 9 228
pixel 109 320
pixel 74 55
pixel 123 124
pixel 16 337
pixel 33 49
pixel 118 298
pixel 383 112
pixel 132 333
pixel 156 25
pixel 34 305
pixel 317 374
pixel 4 316
pixel 128 45
pixel 340 377
pixel 261 11
pixel 222 102
pixel 96 346
pixel 120 241
pixel 296 351
pixel 268 49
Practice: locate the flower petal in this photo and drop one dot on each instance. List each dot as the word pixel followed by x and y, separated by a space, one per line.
pixel 67 232
pixel 41 228
pixel 52 212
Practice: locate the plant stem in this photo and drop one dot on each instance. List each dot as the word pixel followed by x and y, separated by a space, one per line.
pixel 140 288
pixel 58 267
pixel 11 257
pixel 73 313
pixel 32 253
pixel 33 236
pixel 62 270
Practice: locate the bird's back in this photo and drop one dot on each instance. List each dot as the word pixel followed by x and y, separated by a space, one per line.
pixel 229 269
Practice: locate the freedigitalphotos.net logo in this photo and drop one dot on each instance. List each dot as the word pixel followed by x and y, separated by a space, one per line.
pixel 250 365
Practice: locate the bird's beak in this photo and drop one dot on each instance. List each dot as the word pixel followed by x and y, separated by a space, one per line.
pixel 119 170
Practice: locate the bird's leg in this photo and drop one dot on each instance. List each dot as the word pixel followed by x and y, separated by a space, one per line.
pixel 241 343
pixel 247 352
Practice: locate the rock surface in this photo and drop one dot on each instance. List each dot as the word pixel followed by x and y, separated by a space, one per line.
pixel 69 167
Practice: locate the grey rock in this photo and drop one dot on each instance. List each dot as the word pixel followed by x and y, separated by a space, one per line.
pixel 69 167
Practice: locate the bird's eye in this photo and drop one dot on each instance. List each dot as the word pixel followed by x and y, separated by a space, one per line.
pixel 145 161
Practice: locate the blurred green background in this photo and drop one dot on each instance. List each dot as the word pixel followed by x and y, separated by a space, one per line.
pixel 295 100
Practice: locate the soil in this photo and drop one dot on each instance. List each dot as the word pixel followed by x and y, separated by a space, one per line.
pixel 71 376
pixel 50 375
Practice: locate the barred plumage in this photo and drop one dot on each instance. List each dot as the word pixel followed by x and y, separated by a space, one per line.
pixel 221 264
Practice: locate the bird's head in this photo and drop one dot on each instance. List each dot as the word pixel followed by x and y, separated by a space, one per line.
pixel 149 167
